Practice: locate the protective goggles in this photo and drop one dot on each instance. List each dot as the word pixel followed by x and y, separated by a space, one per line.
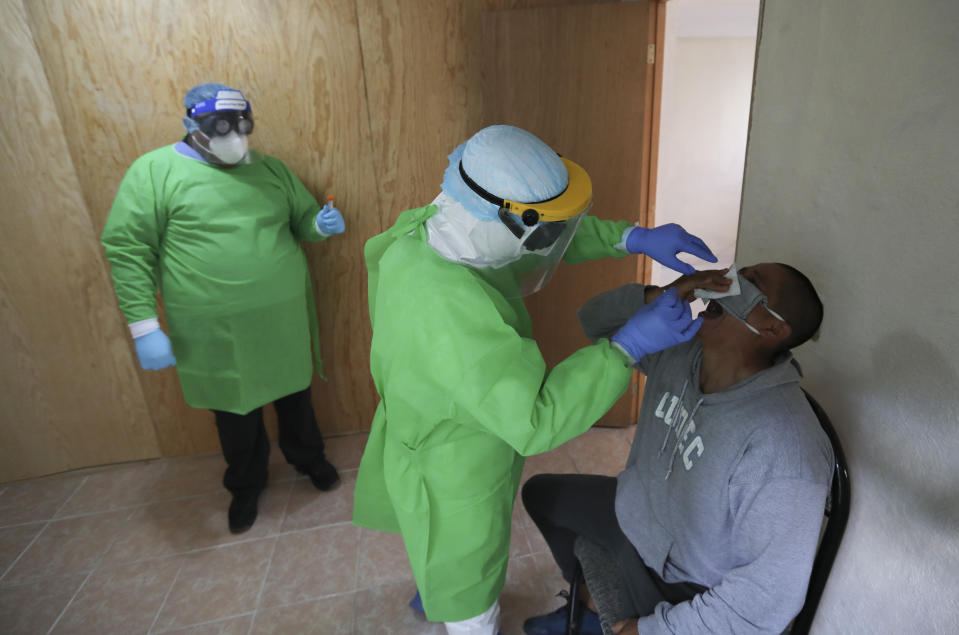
pixel 741 305
pixel 551 214
pixel 229 110
pixel 219 124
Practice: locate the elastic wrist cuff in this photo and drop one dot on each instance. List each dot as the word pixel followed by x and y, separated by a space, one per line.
pixel 316 224
pixel 621 245
pixel 143 327
pixel 629 358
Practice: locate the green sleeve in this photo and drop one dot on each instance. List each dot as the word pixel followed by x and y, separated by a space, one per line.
pixel 603 315
pixel 449 351
pixel 131 239
pixel 509 393
pixel 303 208
pixel 595 239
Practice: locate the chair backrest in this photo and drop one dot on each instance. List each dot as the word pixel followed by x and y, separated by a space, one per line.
pixel 837 511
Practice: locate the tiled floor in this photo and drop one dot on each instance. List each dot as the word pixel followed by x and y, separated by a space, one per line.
pixel 144 548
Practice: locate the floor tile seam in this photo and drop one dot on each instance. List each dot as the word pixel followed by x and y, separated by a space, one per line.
pixel 45 578
pixel 575 463
pixel 188 552
pixel 226 545
pixel 25 549
pixel 286 480
pixel 309 600
pixel 70 497
pixel 355 626
pixel 56 517
pixel 543 583
pixel 113 566
pixel 138 505
pixel 286 505
pixel 99 565
pixel 289 532
pixel 25 523
pixel 266 577
pixel 166 597
pixel 377 585
pixel 70 602
pixel 113 541
pixel 206 623
pixel 356 567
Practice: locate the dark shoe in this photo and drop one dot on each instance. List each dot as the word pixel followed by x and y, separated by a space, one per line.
pixel 322 474
pixel 242 512
pixel 556 623
pixel 417 603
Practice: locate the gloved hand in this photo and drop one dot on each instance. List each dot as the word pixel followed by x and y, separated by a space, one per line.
pixel 664 242
pixel 664 322
pixel 154 350
pixel 330 220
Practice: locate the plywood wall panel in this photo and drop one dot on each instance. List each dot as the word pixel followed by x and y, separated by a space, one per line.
pixel 363 100
pixel 422 63
pixel 417 85
pixel 576 76
pixel 315 103
pixel 112 68
pixel 69 395
pixel 302 69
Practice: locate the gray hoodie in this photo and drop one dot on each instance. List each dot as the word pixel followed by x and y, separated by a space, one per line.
pixel 726 490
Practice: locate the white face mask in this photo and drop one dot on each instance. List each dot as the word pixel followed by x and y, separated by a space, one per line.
pixel 459 236
pixel 231 148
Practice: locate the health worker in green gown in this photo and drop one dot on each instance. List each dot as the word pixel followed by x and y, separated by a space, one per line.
pixel 215 227
pixel 464 391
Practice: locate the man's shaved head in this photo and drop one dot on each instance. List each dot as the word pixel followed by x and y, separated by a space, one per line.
pixel 798 302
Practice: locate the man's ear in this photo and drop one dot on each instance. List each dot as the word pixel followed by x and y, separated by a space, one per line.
pixel 778 329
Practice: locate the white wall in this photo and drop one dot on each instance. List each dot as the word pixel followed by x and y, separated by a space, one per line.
pixel 708 51
pixel 852 175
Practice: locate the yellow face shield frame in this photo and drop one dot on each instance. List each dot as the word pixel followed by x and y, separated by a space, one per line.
pixel 574 200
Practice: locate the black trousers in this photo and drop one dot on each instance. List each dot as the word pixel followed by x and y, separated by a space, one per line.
pixel 565 506
pixel 246 447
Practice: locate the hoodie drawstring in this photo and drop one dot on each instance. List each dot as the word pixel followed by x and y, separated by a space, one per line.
pixel 680 433
pixel 668 421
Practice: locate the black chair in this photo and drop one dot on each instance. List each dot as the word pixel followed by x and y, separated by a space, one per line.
pixel 836 512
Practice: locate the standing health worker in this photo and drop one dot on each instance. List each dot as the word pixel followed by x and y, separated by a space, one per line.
pixel 464 392
pixel 215 227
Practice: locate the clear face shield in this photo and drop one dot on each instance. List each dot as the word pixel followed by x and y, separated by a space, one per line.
pixel 543 231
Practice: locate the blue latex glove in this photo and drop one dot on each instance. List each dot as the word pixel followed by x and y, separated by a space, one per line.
pixel 154 350
pixel 664 322
pixel 330 220
pixel 664 242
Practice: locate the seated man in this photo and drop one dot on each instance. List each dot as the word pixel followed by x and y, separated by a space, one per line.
pixel 714 521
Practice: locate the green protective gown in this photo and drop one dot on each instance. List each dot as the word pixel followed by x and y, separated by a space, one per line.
pixel 464 396
pixel 221 244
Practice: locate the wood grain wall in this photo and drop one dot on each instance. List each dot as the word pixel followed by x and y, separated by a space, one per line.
pixel 68 396
pixel 362 99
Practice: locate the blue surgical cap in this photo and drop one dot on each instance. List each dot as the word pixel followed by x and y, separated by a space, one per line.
pixel 508 162
pixel 195 95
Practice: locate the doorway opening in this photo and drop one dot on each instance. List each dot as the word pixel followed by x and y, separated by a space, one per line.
pixel 708 57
